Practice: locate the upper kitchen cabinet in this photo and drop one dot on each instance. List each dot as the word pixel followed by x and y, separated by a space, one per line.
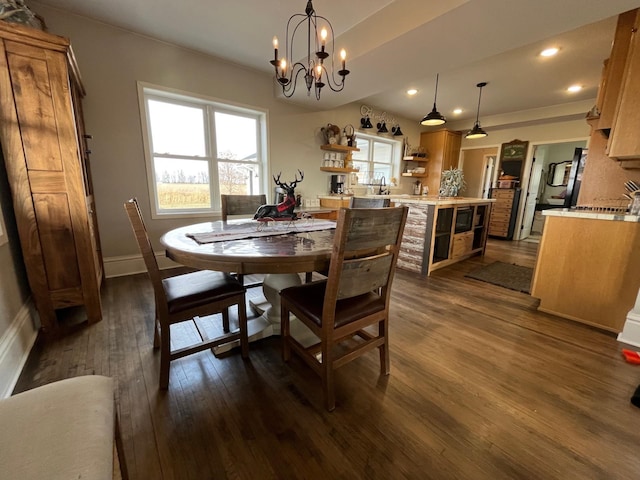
pixel 614 71
pixel 46 158
pixel 620 95
pixel 443 150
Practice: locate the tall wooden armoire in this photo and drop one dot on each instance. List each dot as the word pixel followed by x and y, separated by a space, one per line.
pixel 46 157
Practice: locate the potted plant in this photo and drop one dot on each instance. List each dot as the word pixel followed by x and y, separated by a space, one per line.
pixel 452 183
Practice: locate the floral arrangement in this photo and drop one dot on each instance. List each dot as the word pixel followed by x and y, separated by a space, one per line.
pixel 452 183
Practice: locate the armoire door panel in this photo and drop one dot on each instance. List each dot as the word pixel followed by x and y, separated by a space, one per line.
pixel 36 113
pixel 47 182
pixel 54 225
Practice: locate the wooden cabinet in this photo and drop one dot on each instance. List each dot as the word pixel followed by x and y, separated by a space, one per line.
pixel 504 212
pixel 588 269
pixel 443 150
pixel 624 142
pixel 442 234
pixel 613 71
pixel 618 98
pixel 43 143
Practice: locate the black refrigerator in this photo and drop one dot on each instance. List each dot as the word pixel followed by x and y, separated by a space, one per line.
pixel 575 177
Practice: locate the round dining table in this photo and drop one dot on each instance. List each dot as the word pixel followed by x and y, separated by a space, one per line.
pixel 286 253
pixel 282 257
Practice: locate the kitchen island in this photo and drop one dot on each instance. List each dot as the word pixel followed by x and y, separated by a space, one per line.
pixel 588 266
pixel 439 231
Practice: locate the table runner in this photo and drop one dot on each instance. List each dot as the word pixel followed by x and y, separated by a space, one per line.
pixel 255 229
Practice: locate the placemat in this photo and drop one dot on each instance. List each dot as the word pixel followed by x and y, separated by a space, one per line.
pixel 256 229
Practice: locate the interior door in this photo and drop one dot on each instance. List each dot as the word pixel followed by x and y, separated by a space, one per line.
pixel 532 197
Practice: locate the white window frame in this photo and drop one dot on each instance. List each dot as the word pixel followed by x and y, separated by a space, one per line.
pixel 396 156
pixel 210 106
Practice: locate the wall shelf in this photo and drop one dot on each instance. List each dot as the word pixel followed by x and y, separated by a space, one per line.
pixel 338 170
pixel 334 147
pixel 417 175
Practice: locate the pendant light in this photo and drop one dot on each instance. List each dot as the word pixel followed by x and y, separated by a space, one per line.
pixel 434 117
pixel 477 131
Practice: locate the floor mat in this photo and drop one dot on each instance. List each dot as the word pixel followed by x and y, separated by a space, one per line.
pixel 514 277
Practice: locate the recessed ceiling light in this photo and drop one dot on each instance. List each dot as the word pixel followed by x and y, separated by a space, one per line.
pixel 457 111
pixel 574 88
pixel 549 52
pixel 412 91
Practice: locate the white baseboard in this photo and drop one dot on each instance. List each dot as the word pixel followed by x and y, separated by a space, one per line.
pixel 15 345
pixel 132 264
pixel 631 332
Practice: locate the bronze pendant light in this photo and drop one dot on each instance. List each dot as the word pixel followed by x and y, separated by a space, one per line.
pixel 477 131
pixel 434 117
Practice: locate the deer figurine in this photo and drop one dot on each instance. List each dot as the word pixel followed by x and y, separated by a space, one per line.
pixel 285 208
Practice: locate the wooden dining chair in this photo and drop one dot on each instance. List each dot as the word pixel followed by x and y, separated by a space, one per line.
pixel 355 295
pixel 186 298
pixel 232 205
pixel 366 202
pixel 240 204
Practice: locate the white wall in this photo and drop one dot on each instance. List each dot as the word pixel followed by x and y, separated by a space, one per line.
pixel 18 320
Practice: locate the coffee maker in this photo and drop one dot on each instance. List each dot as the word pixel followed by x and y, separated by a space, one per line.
pixel 337 183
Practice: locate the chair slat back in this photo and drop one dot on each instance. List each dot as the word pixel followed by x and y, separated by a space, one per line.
pixel 365 251
pixel 362 275
pixel 365 202
pixel 240 204
pixel 144 244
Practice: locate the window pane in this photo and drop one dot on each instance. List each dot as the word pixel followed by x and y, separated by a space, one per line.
pixel 238 178
pixel 176 129
pixel 382 170
pixel 382 152
pixel 236 137
pixel 182 184
pixel 363 171
pixel 363 154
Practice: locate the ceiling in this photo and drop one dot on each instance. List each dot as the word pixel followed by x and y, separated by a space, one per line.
pixel 394 45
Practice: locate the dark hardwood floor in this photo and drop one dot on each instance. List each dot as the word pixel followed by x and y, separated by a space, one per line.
pixel 482 386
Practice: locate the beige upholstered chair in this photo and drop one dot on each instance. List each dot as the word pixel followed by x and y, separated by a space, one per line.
pixel 355 295
pixel 366 202
pixel 185 297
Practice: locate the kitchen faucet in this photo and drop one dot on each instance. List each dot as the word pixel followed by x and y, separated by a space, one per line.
pixel 383 183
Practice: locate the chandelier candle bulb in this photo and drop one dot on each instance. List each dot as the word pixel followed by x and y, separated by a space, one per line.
pixel 275 48
pixel 323 38
pixel 343 56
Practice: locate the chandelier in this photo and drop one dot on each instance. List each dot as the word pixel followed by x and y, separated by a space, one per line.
pixel 315 71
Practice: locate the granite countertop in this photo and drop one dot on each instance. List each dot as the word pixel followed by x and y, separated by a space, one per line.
pixel 593 215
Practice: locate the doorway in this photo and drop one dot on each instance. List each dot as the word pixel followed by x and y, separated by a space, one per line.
pixel 479 166
pixel 543 191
